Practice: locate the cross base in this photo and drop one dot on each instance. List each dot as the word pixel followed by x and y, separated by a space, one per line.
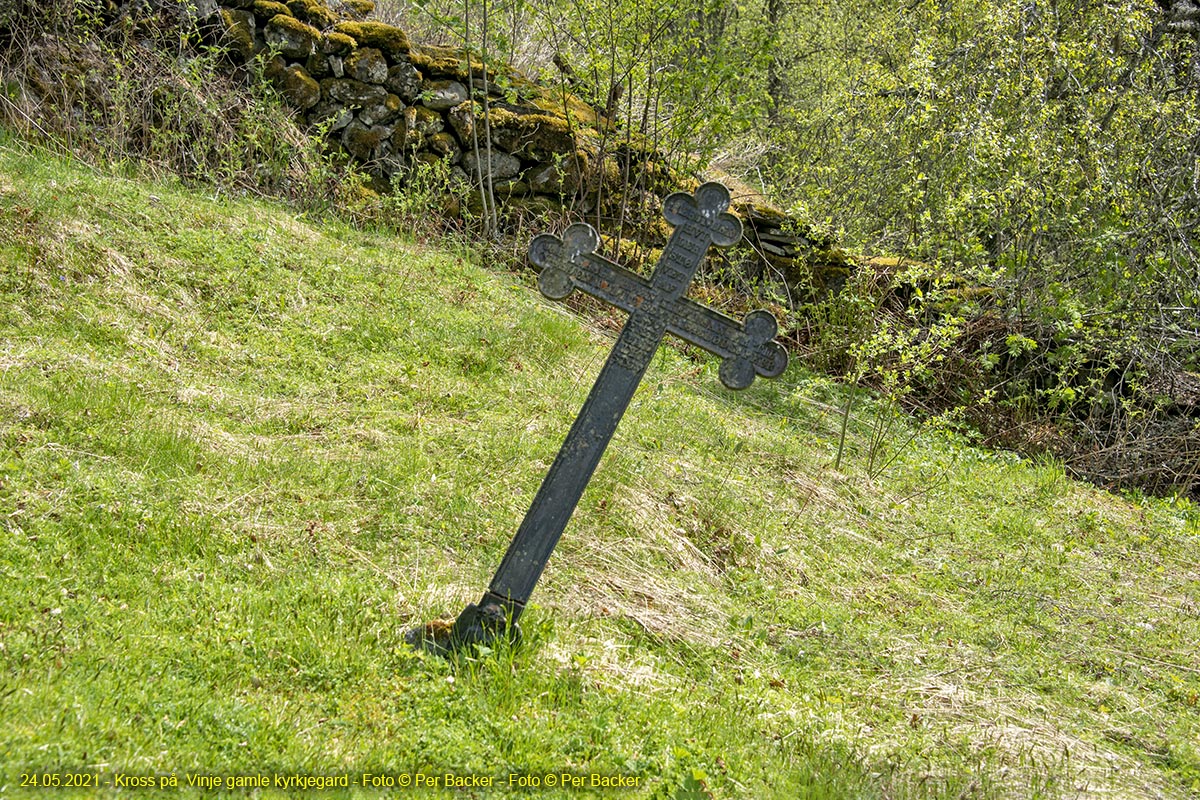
pixel 483 623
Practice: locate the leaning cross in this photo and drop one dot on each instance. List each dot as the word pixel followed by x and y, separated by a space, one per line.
pixel 655 307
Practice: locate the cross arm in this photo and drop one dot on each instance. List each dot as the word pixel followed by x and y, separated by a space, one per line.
pixel 745 348
pixel 571 263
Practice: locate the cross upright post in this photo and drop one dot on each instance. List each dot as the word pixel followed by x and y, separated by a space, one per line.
pixel 655 307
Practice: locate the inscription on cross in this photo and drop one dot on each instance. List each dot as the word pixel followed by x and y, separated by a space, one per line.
pixel 656 306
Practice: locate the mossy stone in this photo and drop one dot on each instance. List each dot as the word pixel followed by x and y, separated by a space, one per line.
pixel 403 137
pixel 539 137
pixel 299 88
pixel 238 34
pixel 359 9
pixel 313 13
pixel 273 67
pixel 427 121
pixel 337 44
pixel 291 37
pixel 317 66
pixel 442 95
pixel 532 206
pixel 365 142
pixel 580 112
pixel 462 120
pixel 388 38
pixel 267 9
pixel 555 179
pixel 382 113
pixel 351 92
pixel 445 62
pixel 445 145
pixel 368 65
pixel 500 165
pixel 405 80
pixel 513 188
pixel 332 114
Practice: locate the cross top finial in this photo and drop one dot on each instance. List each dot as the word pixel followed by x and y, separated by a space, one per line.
pixel 705 209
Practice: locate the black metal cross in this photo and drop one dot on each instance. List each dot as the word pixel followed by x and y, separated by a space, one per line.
pixel 655 307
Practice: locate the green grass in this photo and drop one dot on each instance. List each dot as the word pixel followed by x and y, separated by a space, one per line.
pixel 241 452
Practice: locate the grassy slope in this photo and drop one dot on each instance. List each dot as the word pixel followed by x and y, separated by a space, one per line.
pixel 240 453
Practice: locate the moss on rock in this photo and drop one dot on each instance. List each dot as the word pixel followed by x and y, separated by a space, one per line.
pixel 337 44
pixel 299 88
pixel 367 64
pixel 238 33
pixel 291 37
pixel 534 136
pixel 313 12
pixel 388 38
pixel 359 9
pixel 445 62
pixel 268 9
pixel 363 142
pixel 351 92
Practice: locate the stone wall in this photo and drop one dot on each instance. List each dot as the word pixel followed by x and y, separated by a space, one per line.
pixel 391 104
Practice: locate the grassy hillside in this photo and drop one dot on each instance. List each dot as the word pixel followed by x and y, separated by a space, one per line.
pixel 242 452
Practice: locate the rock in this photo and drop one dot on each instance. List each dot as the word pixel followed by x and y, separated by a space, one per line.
pixel 405 80
pixel 427 122
pixel 383 112
pixel 335 115
pixel 291 37
pixel 317 66
pixel 428 158
pixel 500 166
pixel 358 9
pixel 445 145
pixel 273 69
pixel 337 65
pixel 532 206
pixel 403 139
pixel 352 92
pixel 536 136
pixel 367 64
pixel 561 178
pixel 442 95
pixel 313 13
pixel 238 34
pixel 298 87
pixel 269 9
pixel 388 38
pixel 366 143
pixel 446 62
pixel 462 120
pixel 394 165
pixel 517 188
pixel 337 44
pixel 202 10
